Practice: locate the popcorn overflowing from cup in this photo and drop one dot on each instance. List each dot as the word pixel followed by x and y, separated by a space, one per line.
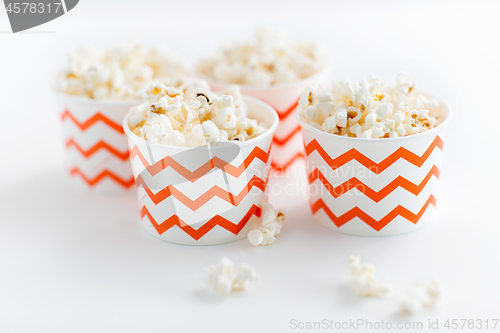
pixel 368 109
pixel 118 73
pixel 193 117
pixel 224 277
pixel 270 225
pixel 268 59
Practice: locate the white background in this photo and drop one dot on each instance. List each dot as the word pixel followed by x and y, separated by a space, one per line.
pixel 73 262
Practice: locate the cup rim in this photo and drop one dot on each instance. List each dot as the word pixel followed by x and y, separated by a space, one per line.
pixel 331 136
pixel 247 87
pixel 269 132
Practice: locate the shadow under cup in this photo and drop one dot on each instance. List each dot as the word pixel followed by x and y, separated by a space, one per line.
pixel 204 195
pixel 374 187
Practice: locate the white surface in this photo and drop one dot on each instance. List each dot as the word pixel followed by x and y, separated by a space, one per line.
pixel 72 262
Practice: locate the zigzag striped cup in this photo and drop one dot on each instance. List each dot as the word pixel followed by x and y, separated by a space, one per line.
pixel 96 146
pixel 374 187
pixel 201 196
pixel 287 140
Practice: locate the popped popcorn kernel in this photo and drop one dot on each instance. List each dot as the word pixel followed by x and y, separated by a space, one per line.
pixel 369 110
pixel 122 72
pixel 269 58
pixel 224 277
pixel 270 224
pixel 192 117
pixel 421 296
pixel 363 280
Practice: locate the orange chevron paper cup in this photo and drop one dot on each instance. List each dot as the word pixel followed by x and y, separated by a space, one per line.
pixel 204 195
pixel 287 140
pixel 374 187
pixel 96 146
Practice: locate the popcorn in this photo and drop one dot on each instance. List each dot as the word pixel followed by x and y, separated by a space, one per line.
pixel 193 117
pixel 271 222
pixel 420 296
pixel 368 110
pixel 224 277
pixel 363 279
pixel 226 118
pixel 176 138
pixel 384 111
pixel 404 84
pixel 136 120
pixel 119 73
pixel 269 58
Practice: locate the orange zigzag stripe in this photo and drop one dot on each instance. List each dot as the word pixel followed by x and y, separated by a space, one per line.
pixel 283 114
pixel 375 196
pixel 100 145
pixel 92 120
pixel 106 173
pixel 215 191
pixel 205 228
pixel 377 168
pixel 281 142
pixel 284 166
pixel 377 225
pixel 215 162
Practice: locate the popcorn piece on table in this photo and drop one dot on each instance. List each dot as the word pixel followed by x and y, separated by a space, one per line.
pixel 269 58
pixel 193 117
pixel 363 279
pixel 420 296
pixel 369 110
pixel 224 277
pixel 119 73
pixel 271 222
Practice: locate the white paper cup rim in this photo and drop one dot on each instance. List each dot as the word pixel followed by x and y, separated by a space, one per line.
pixel 331 136
pixel 250 142
pixel 304 81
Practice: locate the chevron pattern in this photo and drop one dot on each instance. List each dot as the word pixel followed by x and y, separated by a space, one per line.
pixel 196 234
pixel 193 176
pixel 98 117
pixel 283 141
pixel 285 151
pixel 109 141
pixel 377 168
pixel 285 113
pixel 374 195
pixel 98 146
pixel 376 225
pixel 395 180
pixel 283 166
pixel 213 192
pixel 105 174
pixel 198 202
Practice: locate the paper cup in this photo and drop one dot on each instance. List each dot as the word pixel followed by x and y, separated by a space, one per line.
pixel 96 146
pixel 287 140
pixel 205 195
pixel 374 187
